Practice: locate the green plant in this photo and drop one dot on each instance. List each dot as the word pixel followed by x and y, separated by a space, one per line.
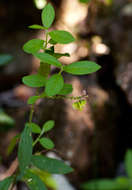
pixel 33 165
pixel 118 183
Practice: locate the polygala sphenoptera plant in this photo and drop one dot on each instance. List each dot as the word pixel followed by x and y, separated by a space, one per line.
pixel 33 166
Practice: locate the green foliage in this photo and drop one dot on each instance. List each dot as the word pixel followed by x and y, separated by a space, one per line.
pixel 45 177
pixel 124 182
pixel 48 126
pixel 128 163
pixel 33 46
pixel 54 84
pixel 5 59
pixel 36 26
pixel 6 122
pixel 67 89
pixel 79 105
pixel 119 183
pixel 34 128
pixel 81 67
pixel 51 165
pixel 35 170
pixel 57 55
pixel 48 15
pixel 46 58
pixel 35 80
pixel 85 1
pixel 104 184
pixel 33 99
pixel 6 183
pixel 47 143
pixel 12 144
pixel 52 42
pixel 61 37
pixel 45 128
pixel 33 181
pixel 25 149
pixel 44 69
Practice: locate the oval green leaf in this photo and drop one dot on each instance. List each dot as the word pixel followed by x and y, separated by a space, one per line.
pixel 51 165
pixel 34 128
pixel 46 143
pixel 33 181
pixel 61 36
pixel 48 126
pixel 33 99
pixel 34 80
pixel 33 46
pixel 54 85
pixel 82 67
pixel 6 183
pixel 46 58
pixel 25 149
pixel 48 15
pixel 67 89
pixel 36 26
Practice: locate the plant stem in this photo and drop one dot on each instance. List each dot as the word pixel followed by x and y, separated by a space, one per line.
pixel 31 113
pixel 46 40
pixel 37 139
pixel 67 97
pixel 33 105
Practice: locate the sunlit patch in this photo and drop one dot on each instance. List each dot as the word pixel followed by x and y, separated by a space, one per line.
pixel 98 47
pixel 127 10
pixel 74 12
pixel 29 180
pixel 40 3
pixel 102 49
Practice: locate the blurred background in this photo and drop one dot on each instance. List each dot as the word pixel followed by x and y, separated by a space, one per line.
pixel 95 140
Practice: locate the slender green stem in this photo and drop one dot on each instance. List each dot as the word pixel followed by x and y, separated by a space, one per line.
pixel 46 40
pixel 31 113
pixel 67 97
pixel 61 70
pixel 32 108
pixel 37 139
pixel 33 105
